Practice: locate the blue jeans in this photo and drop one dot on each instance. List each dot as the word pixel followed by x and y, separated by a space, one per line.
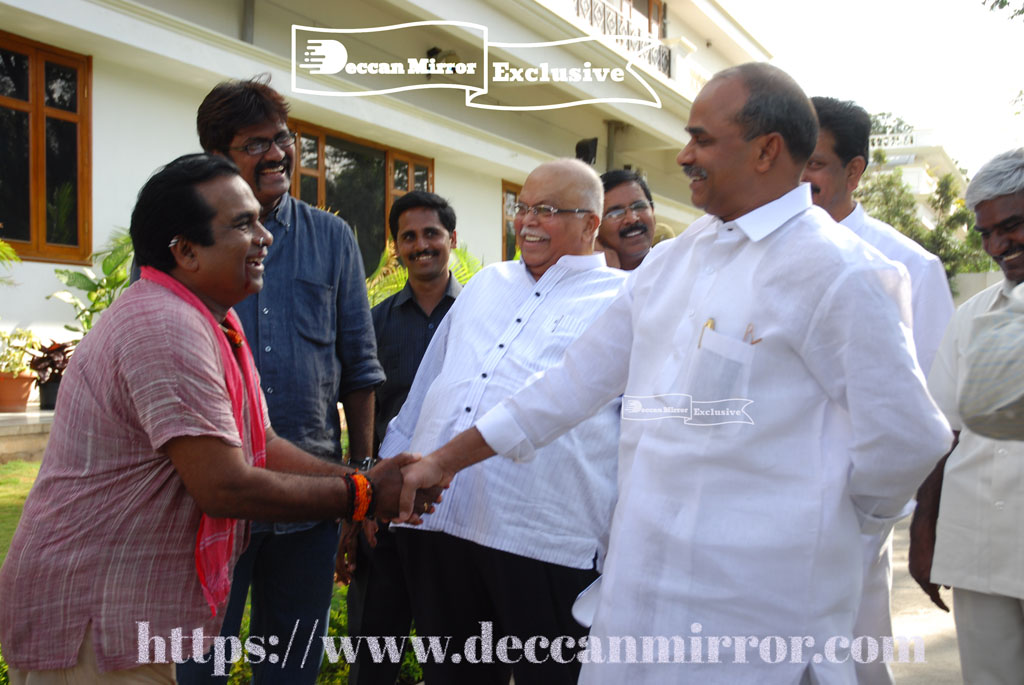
pixel 292 578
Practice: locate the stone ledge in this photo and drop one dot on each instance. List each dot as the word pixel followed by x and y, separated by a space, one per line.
pixel 23 435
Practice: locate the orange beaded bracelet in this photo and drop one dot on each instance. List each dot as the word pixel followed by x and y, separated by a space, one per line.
pixel 364 496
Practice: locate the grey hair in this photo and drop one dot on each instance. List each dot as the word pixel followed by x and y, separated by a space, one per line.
pixel 1001 175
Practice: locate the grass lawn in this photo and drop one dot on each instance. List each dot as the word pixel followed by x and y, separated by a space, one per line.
pixel 16 477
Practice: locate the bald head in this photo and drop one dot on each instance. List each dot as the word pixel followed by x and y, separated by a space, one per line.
pixel 565 184
pixel 576 181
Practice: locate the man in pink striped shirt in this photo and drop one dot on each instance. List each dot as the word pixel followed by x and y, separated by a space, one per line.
pixel 123 555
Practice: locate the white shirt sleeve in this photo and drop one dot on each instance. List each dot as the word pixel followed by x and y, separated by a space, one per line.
pixel 992 397
pixel 933 308
pixel 592 373
pixel 858 349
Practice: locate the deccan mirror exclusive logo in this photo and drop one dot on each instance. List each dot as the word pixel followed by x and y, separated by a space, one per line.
pixel 500 76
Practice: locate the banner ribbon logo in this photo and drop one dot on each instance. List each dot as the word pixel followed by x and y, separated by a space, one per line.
pixel 520 74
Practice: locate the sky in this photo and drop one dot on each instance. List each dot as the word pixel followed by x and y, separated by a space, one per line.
pixel 949 67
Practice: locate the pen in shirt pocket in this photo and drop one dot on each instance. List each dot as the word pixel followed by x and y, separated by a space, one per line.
pixel 710 323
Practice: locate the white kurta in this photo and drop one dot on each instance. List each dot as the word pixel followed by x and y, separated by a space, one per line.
pixel 992 395
pixel 931 301
pixel 978 539
pixel 932 306
pixel 750 529
pixel 504 328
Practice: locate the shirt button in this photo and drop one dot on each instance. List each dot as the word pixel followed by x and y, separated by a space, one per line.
pixel 430 326
pixel 468 410
pixel 267 348
pixel 501 346
pixel 537 294
pixel 690 313
pixel 483 375
pixel 270 391
pixel 266 310
pixel 1000 504
pixel 710 269
pixel 519 320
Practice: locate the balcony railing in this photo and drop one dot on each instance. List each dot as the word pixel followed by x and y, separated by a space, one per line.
pixel 891 140
pixel 611 21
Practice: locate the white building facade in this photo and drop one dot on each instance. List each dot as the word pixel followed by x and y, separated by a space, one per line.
pixel 97 94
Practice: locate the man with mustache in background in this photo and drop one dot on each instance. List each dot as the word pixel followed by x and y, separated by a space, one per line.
pixel 834 172
pixel 312 341
pixel 627 224
pixel 422 227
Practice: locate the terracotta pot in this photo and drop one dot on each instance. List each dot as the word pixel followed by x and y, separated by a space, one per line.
pixel 14 391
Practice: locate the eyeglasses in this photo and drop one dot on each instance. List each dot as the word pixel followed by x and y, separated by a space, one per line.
pixel 619 213
pixel 545 211
pixel 257 146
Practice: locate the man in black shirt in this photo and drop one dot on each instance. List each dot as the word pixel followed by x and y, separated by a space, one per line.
pixel 423 228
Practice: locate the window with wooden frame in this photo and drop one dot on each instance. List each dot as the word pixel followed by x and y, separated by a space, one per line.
pixel 358 179
pixel 509 197
pixel 45 184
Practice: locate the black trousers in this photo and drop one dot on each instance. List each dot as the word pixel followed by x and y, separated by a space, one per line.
pixel 378 605
pixel 456 586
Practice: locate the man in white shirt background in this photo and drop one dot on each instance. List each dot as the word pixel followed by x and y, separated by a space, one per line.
pixel 973 541
pixel 768 378
pixel 514 545
pixel 834 172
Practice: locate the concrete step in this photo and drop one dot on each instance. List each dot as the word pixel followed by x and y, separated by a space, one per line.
pixel 23 435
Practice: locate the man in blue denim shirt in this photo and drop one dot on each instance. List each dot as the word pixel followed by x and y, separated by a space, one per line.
pixel 312 338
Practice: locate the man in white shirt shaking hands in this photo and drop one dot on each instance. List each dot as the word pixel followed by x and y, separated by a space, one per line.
pixel 768 376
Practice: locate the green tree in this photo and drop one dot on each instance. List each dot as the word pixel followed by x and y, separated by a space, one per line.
pixel 888 198
pixel 1003 4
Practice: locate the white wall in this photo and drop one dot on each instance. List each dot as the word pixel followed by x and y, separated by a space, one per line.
pixel 477 201
pixel 968 285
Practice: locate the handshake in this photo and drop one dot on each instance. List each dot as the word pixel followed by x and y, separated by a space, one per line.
pixel 407 486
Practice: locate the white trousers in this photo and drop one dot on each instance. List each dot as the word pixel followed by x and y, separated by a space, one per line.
pixel 990 634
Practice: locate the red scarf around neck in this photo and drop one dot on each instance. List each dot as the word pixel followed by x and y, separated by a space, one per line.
pixel 216 538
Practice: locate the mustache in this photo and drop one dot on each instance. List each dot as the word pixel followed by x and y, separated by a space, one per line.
pixel 695 172
pixel 286 163
pixel 632 227
pixel 533 233
pixel 423 253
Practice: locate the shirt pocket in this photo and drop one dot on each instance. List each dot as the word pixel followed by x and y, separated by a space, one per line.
pixel 719 369
pixel 314 311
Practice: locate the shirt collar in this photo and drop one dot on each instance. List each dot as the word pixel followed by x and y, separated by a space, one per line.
pixel 284 213
pixel 1008 288
pixel 764 220
pixel 406 294
pixel 573 262
pixel 854 218
pixel 1017 299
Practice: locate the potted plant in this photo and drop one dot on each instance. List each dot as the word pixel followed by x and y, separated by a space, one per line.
pixel 15 379
pixel 49 363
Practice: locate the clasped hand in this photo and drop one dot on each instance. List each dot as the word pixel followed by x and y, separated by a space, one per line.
pixel 408 485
